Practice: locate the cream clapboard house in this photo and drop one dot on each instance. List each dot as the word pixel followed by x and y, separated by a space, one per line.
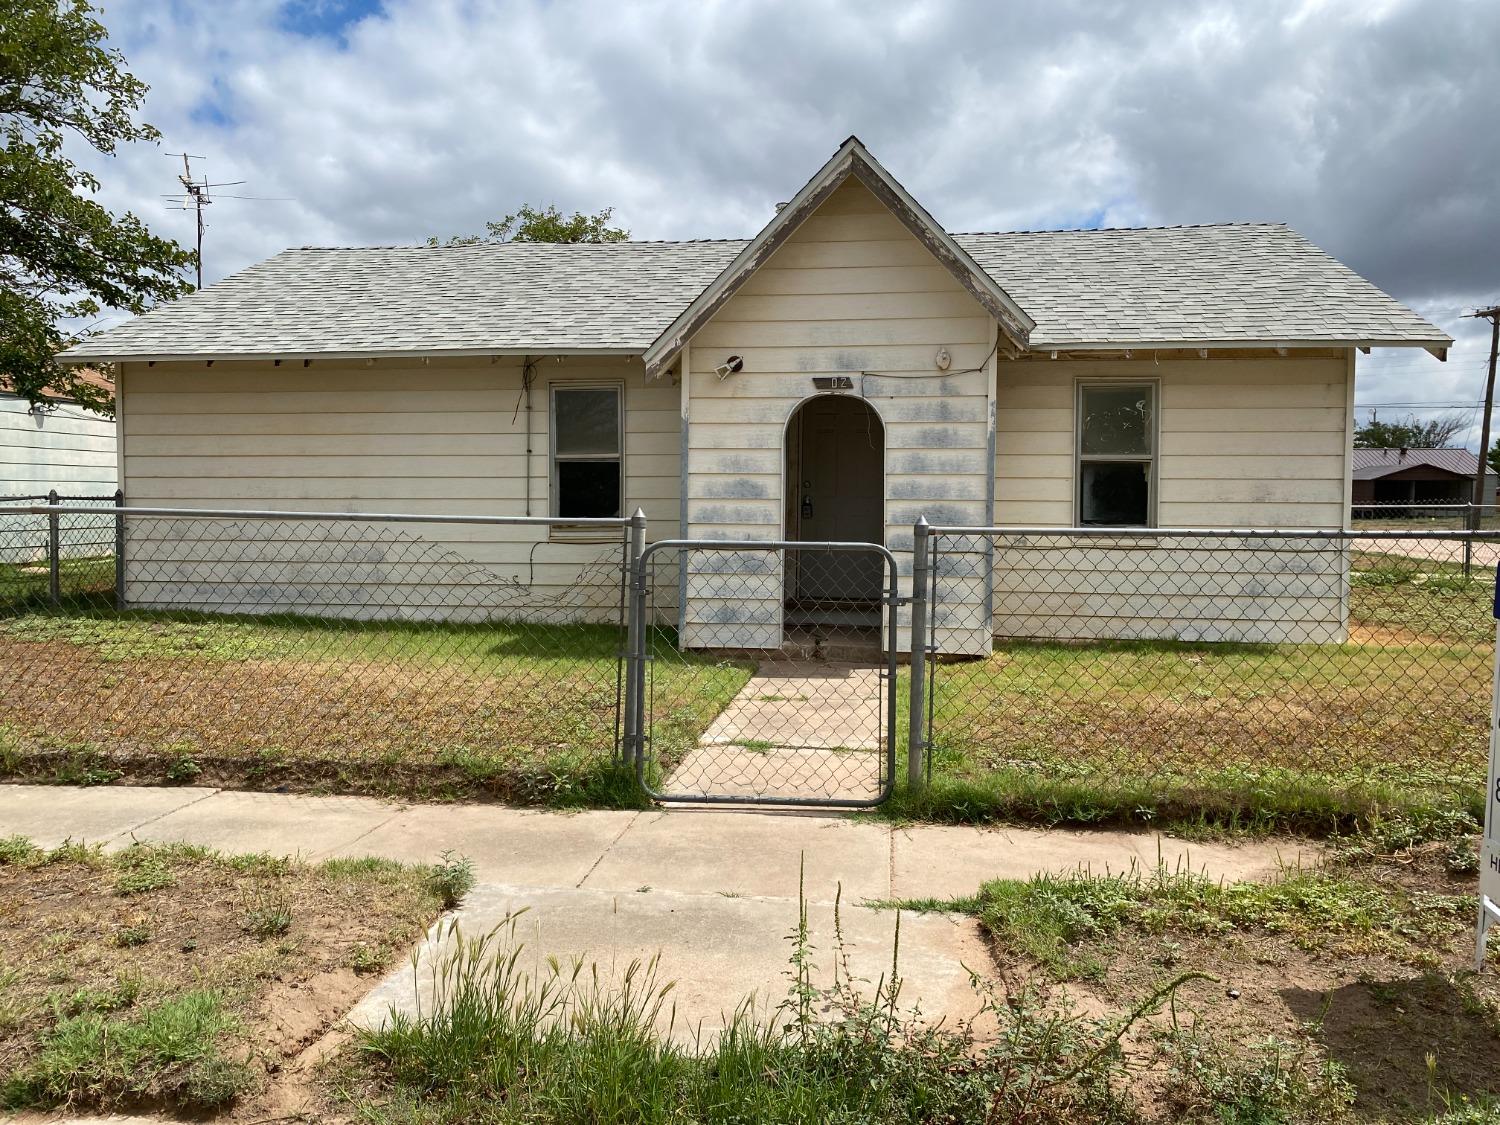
pixel 851 368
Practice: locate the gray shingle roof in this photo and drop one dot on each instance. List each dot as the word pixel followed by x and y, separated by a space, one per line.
pixel 1372 464
pixel 1251 283
pixel 1226 282
pixel 423 299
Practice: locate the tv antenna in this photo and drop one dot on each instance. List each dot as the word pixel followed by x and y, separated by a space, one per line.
pixel 198 194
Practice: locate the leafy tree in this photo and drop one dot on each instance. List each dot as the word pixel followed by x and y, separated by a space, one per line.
pixel 63 256
pixel 532 225
pixel 1410 432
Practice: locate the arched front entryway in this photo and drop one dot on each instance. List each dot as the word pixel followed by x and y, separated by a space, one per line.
pixel 835 491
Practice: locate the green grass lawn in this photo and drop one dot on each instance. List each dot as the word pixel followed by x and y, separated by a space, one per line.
pixel 520 711
pixel 30 582
pixel 169 978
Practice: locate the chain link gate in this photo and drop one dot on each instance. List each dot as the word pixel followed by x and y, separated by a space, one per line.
pixel 764 672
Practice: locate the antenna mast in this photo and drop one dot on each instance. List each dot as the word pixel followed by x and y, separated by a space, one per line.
pixel 195 194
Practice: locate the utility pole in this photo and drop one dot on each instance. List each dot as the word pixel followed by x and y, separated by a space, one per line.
pixel 1492 314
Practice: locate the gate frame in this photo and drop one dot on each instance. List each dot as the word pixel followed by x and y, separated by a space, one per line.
pixel 637 656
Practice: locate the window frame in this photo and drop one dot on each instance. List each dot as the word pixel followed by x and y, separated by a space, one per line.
pixel 1151 460
pixel 554 492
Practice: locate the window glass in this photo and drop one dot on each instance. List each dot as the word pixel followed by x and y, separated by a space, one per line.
pixel 587 421
pixel 1116 454
pixel 588 489
pixel 1115 493
pixel 1116 421
pixel 586 474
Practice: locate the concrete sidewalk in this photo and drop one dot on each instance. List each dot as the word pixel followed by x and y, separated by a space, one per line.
pixel 687 850
pixel 713 892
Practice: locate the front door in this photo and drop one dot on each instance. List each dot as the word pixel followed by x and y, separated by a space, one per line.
pixel 836 483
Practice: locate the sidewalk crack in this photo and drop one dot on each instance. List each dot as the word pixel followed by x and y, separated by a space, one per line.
pixel 609 847
pixel 134 828
pixel 350 843
pixel 890 873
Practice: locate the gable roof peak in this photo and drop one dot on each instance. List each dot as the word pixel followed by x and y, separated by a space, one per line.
pixel 852 160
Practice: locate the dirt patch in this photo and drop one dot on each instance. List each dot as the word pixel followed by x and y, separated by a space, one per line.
pixel 1406 1032
pixel 282 948
pixel 1380 635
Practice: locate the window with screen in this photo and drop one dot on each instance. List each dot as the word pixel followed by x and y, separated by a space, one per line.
pixel 586 472
pixel 1116 454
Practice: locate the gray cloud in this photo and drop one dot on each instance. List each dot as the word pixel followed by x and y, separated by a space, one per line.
pixel 1363 123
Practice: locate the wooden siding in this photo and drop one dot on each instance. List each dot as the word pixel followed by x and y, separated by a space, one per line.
pixel 68 449
pixel 1252 442
pixel 446 437
pixel 850 292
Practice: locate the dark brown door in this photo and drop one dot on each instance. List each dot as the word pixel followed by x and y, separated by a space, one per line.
pixel 840 496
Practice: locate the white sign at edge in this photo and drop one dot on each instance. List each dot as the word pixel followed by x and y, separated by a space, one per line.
pixel 1489 850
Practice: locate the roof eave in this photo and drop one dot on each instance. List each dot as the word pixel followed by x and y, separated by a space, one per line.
pixel 851 160
pixel 1438 346
pixel 73 357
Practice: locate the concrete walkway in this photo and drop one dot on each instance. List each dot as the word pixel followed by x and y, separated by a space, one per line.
pixel 798 728
pixel 712 892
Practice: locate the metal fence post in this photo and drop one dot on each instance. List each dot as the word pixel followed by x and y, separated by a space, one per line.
pixel 635 645
pixel 916 737
pixel 119 548
pixel 54 551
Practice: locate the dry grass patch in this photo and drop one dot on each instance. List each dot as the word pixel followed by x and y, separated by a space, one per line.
pixel 1307 736
pixel 515 712
pixel 174 978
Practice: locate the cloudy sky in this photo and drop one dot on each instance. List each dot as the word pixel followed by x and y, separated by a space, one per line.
pixel 1366 124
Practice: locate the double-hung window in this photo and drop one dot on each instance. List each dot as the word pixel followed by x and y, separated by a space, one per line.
pixel 1116 454
pixel 586 442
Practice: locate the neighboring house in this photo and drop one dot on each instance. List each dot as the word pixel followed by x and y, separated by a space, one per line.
pixel 851 368
pixel 58 446
pixel 1414 477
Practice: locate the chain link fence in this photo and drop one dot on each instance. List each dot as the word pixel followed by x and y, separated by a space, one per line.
pixel 1414 515
pixel 1183 662
pixel 444 655
pixel 38 550
pixel 769 676
pixel 392 654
